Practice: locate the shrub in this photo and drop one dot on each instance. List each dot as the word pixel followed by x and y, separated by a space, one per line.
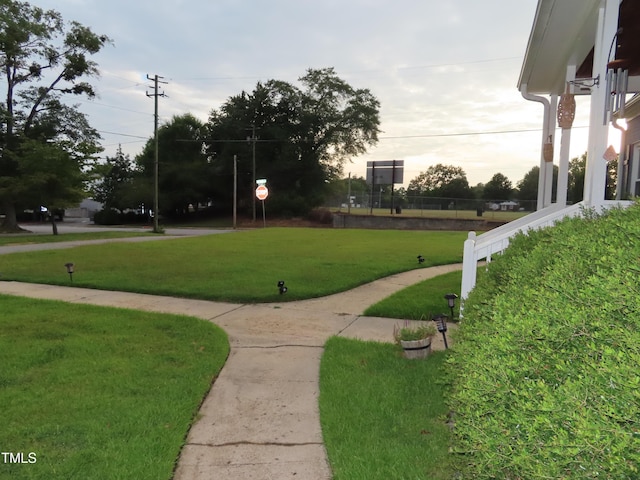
pixel 107 217
pixel 321 215
pixel 546 360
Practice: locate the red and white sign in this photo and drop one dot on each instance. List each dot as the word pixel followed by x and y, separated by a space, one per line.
pixel 262 192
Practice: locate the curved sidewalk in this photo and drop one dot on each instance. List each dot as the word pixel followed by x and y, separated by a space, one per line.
pixel 260 420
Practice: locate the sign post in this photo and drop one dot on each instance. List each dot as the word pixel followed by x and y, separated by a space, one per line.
pixel 385 172
pixel 262 192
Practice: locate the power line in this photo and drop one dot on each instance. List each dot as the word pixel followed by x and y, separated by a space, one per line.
pixel 91 102
pixel 464 134
pixel 121 134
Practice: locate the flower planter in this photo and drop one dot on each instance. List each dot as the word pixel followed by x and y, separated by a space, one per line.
pixel 416 348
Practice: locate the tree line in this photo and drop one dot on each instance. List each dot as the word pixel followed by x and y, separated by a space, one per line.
pixel 303 133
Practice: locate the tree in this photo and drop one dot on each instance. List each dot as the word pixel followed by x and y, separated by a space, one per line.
pixel 527 188
pixel 304 136
pixel 53 176
pixel 114 182
pixel 577 168
pixel 184 175
pixel 441 181
pixel 478 191
pixel 41 60
pixel 577 171
pixel 498 188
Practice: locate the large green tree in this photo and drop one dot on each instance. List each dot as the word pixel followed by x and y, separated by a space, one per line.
pixel 577 171
pixel 184 174
pixel 577 168
pixel 44 144
pixel 498 188
pixel 447 181
pixel 301 136
pixel 527 187
pixel 113 185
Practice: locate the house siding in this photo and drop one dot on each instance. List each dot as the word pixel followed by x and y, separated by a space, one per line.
pixel 630 152
pixel 633 131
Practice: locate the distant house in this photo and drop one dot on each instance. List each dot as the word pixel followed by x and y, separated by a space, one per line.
pixel 85 211
pixel 509 206
pixel 576 47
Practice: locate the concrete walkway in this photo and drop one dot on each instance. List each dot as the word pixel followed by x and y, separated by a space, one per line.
pixel 146 236
pixel 260 420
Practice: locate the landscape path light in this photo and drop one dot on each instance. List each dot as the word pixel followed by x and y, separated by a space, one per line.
pixel 69 270
pixel 451 301
pixel 441 324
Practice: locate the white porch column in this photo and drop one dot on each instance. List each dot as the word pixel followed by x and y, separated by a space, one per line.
pixel 565 144
pixel 596 171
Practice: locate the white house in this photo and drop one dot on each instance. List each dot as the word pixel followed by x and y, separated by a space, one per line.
pixel 576 47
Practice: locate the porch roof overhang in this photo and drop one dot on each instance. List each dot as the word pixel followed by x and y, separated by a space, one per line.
pixel 564 33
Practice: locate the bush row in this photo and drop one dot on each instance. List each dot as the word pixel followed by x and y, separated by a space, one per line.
pixel 113 217
pixel 547 382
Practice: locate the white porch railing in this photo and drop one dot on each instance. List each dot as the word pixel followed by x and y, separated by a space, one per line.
pixel 477 248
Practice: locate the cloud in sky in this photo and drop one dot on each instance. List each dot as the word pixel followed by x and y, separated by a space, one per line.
pixel 441 70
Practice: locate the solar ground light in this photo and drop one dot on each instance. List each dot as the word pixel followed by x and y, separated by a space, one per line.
pixel 451 301
pixel 281 287
pixel 69 270
pixel 441 324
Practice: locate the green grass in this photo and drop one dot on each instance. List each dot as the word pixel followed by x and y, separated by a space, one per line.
pixel 419 301
pixel 21 239
pixel 242 266
pixel 100 393
pixel 383 417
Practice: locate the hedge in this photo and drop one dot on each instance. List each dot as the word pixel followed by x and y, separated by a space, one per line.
pixel 547 360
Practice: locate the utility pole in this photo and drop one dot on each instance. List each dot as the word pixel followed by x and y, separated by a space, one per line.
pixel 155 94
pixel 235 191
pixel 253 139
pixel 349 196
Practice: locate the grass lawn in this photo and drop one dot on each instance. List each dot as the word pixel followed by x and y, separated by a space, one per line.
pixel 383 417
pixel 100 393
pixel 419 301
pixel 242 266
pixel 21 239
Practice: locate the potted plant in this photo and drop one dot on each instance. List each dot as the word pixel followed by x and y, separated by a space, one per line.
pixel 414 338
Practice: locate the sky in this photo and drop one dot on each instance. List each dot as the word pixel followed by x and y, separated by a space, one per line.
pixel 444 71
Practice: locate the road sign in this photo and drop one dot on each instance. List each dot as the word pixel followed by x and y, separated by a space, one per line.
pixel 262 192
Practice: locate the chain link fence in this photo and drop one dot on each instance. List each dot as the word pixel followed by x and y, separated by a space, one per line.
pixel 380 204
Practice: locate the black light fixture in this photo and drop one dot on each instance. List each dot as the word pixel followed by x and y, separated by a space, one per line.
pixel 281 287
pixel 69 270
pixel 441 324
pixel 420 259
pixel 451 301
